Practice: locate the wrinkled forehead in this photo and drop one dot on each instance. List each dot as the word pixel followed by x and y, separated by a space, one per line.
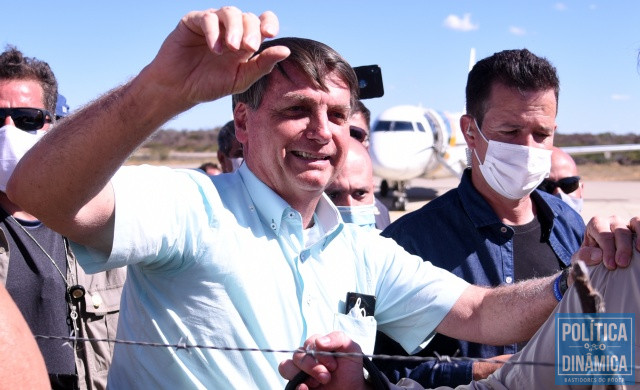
pixel 296 88
pixel 21 93
pixel 331 82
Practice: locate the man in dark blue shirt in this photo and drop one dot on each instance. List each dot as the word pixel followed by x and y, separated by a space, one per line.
pixel 495 228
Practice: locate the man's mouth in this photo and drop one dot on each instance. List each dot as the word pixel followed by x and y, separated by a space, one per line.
pixel 310 156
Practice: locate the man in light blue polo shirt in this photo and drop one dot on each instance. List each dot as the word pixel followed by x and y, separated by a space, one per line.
pixel 256 259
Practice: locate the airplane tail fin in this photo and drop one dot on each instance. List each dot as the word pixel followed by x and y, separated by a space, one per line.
pixel 472 58
pixel 472 62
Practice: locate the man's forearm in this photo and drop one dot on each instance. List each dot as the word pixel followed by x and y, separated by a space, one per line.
pixel 515 312
pixel 76 159
pixel 500 315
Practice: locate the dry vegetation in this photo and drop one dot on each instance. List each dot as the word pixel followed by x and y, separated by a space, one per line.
pixel 609 172
pixel 189 149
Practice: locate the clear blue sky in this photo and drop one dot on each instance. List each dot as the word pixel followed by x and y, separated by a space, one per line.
pixel 422 47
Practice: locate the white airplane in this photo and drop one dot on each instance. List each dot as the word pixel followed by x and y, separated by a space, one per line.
pixel 408 142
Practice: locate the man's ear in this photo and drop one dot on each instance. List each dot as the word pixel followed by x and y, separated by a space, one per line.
pixel 240 122
pixel 466 125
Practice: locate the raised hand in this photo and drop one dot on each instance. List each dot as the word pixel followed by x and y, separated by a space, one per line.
pixel 210 54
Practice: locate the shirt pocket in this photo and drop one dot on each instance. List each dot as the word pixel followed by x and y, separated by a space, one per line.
pixel 362 330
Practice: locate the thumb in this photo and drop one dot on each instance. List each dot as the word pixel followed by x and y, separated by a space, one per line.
pixel 591 255
pixel 260 65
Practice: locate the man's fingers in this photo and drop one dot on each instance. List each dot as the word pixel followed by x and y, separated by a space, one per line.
pixel 599 234
pixel 270 24
pixel 204 24
pixel 288 370
pixel 259 65
pixel 622 243
pixel 229 28
pixel 253 37
pixel 591 255
pixel 613 237
pixel 634 225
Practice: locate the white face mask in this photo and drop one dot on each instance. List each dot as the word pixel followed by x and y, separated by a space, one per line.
pixel 14 143
pixel 364 216
pixel 236 162
pixel 513 171
pixel 575 203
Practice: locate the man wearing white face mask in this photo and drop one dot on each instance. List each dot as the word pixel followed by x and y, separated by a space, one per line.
pixel 494 228
pixel 230 153
pixel 37 267
pixel 352 190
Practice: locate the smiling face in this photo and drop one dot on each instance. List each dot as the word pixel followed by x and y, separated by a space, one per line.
pixel 296 140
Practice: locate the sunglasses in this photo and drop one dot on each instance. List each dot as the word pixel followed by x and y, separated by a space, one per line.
pixel 567 184
pixel 358 133
pixel 26 118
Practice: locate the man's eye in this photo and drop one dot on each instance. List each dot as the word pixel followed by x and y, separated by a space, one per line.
pixel 295 111
pixel 338 116
pixel 360 194
pixel 332 195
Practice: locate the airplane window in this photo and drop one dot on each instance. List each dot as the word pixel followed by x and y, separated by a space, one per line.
pixel 421 128
pixel 382 126
pixel 402 126
pixel 393 126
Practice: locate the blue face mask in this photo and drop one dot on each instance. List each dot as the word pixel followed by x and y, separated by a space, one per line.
pixel 575 203
pixel 364 216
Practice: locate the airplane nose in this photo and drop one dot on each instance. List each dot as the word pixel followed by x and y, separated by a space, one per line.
pixel 400 155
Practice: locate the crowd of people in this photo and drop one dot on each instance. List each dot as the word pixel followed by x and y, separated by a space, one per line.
pixel 289 247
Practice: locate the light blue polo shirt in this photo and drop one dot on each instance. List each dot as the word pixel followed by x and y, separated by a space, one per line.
pixel 222 262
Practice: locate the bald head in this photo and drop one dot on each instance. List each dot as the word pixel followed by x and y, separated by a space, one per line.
pixel 562 165
pixel 354 184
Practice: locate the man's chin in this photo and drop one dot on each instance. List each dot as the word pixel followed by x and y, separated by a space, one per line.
pixel 314 183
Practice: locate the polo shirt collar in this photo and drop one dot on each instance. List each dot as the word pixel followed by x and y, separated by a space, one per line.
pixel 272 208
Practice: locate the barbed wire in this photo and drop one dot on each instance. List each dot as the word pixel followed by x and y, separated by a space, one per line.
pixel 181 345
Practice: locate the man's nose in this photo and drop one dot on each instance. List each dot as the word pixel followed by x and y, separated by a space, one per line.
pixel 319 129
pixel 8 121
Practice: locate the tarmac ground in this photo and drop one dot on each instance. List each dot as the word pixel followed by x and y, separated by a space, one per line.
pixel 601 198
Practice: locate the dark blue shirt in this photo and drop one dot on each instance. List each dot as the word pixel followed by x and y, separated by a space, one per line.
pixel 459 231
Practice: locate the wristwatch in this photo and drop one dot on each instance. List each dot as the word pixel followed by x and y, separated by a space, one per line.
pixel 563 286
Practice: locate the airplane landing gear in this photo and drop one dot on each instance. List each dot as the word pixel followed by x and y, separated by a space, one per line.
pixel 399 191
pixel 400 197
pixel 400 203
pixel 384 188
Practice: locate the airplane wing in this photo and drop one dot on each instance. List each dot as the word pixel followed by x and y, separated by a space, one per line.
pixel 606 149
